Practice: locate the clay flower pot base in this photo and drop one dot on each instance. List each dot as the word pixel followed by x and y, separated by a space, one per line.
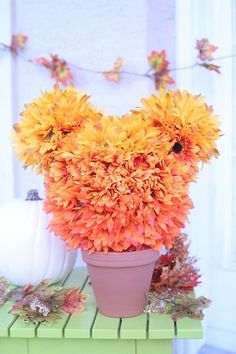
pixel 120 280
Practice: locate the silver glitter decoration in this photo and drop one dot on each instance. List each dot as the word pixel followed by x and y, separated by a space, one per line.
pixel 38 306
pixel 4 291
pixel 160 301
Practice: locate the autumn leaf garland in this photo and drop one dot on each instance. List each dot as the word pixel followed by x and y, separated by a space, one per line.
pixel 159 71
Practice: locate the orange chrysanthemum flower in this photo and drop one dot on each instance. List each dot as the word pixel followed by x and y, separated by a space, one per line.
pixel 190 123
pixel 48 122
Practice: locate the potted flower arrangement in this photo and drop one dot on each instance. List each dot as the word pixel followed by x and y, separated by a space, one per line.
pixel 118 188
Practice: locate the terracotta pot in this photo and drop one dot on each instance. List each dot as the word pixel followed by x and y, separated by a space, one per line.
pixel 120 280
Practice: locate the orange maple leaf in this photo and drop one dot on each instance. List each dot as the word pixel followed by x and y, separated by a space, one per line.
pixel 159 64
pixel 73 301
pixel 18 41
pixel 114 74
pixel 205 49
pixel 58 67
pixel 157 60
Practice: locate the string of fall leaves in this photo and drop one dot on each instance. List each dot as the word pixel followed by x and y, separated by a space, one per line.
pixel 158 71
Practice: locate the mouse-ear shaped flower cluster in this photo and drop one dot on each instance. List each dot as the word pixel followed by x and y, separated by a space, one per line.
pixel 189 122
pixel 118 184
pixel 49 121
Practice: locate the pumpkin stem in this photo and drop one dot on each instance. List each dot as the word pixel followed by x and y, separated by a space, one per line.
pixel 32 194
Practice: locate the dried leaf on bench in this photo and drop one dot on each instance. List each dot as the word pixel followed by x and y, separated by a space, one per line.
pixel 46 303
pixel 178 305
pixel 73 300
pixel 187 306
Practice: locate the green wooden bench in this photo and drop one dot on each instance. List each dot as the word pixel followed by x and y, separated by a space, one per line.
pixel 89 332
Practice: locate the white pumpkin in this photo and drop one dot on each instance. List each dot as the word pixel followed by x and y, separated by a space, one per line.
pixel 30 253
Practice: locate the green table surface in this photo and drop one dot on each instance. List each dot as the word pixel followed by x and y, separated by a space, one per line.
pixel 92 332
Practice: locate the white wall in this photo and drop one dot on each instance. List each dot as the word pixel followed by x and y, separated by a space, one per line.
pixel 6 107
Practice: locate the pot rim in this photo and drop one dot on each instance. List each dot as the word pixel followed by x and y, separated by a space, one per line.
pixel 120 259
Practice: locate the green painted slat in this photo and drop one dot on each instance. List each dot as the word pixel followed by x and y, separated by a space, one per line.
pixel 161 326
pixel 20 329
pixel 77 278
pixel 134 327
pixel 158 346
pixel 53 331
pixel 82 346
pixel 189 328
pixel 6 319
pixel 105 327
pixel 80 324
pixel 13 346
